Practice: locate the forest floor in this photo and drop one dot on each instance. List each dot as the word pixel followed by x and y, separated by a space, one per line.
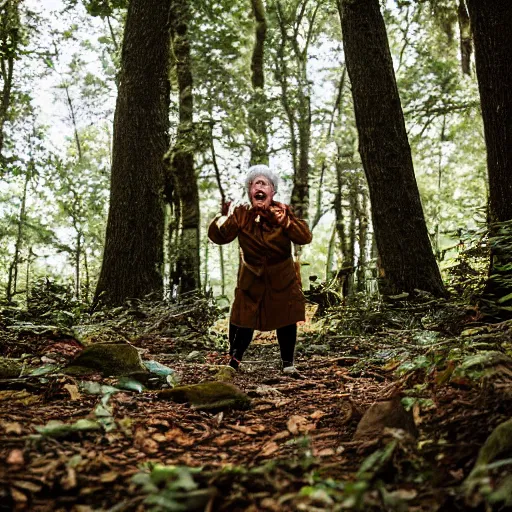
pixel 293 449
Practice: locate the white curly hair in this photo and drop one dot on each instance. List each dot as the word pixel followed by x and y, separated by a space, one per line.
pixel 261 170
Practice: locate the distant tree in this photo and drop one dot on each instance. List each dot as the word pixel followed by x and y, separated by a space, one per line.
pixel 407 260
pixel 296 23
pixel 186 274
pixel 133 256
pixel 492 34
pixel 10 42
pixel 258 117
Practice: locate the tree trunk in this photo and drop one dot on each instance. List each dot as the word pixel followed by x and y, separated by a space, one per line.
pixel 492 35
pixel 297 106
pixel 133 256
pixel 402 238
pixel 257 110
pixel 78 255
pixel 12 282
pixel 182 158
pixel 9 39
pixel 338 210
pixel 466 47
pixel 362 260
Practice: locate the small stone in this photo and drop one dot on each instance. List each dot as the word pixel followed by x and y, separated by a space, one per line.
pixel 196 356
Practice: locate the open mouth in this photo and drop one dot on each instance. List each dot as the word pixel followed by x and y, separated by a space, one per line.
pixel 260 196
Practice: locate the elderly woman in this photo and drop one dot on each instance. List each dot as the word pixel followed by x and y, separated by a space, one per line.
pixel 268 294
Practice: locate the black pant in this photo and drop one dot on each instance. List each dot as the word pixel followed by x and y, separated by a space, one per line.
pixel 241 337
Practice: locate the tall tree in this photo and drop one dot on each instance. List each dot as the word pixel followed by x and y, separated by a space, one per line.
pixel 404 247
pixel 187 272
pixel 490 23
pixel 133 256
pixel 257 112
pixel 10 38
pixel 296 24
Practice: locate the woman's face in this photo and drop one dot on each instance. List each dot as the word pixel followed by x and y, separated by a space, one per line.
pixel 261 192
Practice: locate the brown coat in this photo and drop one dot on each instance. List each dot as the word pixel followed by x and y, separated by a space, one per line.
pixel 268 294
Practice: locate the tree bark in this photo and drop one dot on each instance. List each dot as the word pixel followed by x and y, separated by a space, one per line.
pixel 297 106
pixel 257 110
pixel 492 35
pixel 362 260
pixel 407 259
pixel 466 47
pixel 187 276
pixel 9 40
pixel 133 256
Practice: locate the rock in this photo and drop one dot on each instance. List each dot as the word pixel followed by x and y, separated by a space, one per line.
pixel 208 396
pixel 109 359
pixel 196 356
pixel 381 415
pixel 9 368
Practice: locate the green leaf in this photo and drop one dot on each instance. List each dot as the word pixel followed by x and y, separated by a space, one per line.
pixel 44 370
pixel 96 388
pixel 56 428
pixel 375 461
pixel 505 298
pixel 130 384
pixel 158 369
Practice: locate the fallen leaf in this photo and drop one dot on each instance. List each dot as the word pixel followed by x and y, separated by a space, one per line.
pixel 82 508
pixel 225 439
pixel 68 481
pixel 26 485
pixel 269 448
pixel 12 427
pixel 280 435
pixel 217 419
pixel 317 415
pixel 241 428
pixel 298 424
pixel 416 414
pixel 324 452
pixel 258 427
pixel 178 437
pixel 18 496
pixel 72 389
pixel 143 442
pixel 271 504
pixel 109 476
pixel 159 438
pixel 23 396
pixel 404 494
pixel 15 457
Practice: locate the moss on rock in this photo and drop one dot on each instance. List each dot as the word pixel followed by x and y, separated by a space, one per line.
pixel 108 358
pixel 208 396
pixel 9 368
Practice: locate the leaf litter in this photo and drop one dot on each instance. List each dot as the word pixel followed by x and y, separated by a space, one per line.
pixel 109 443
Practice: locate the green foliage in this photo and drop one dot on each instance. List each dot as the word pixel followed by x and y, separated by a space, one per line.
pixel 51 302
pixel 172 488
